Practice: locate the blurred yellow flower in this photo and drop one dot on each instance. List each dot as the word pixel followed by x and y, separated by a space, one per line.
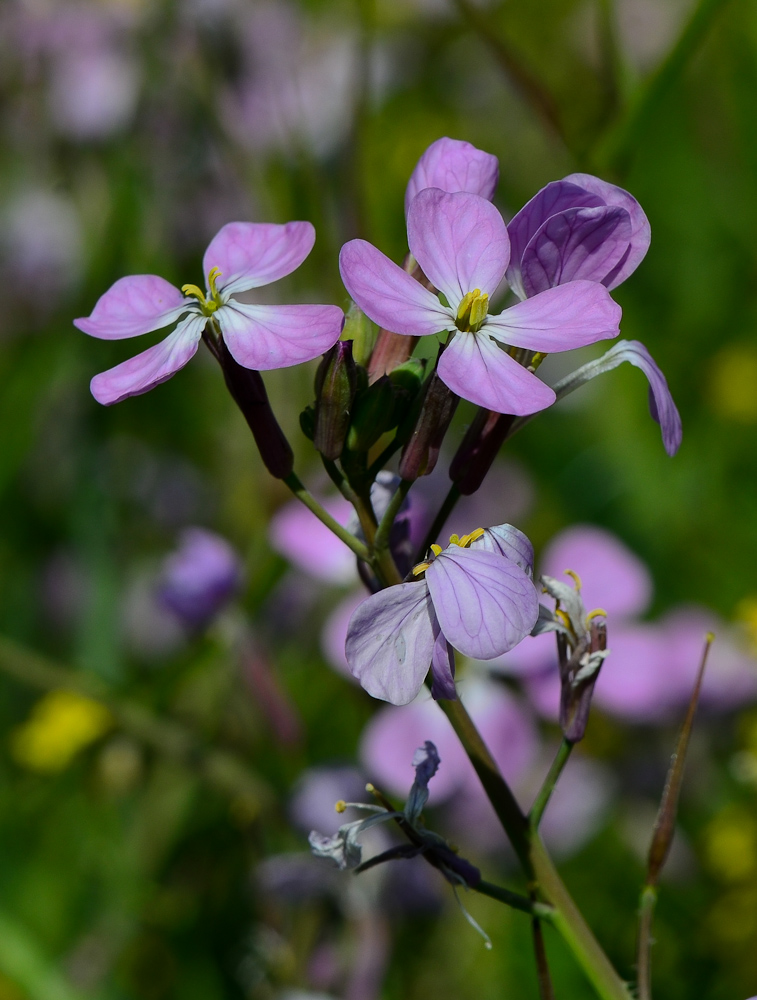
pixel 732 388
pixel 730 845
pixel 60 725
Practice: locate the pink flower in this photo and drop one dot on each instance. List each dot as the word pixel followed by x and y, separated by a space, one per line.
pixel 242 255
pixel 461 243
pixel 454 165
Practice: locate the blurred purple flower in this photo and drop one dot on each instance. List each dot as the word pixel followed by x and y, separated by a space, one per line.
pixel 461 243
pixel 454 165
pixel 242 255
pixel 577 228
pixel 199 578
pixel 477 596
pixel 297 534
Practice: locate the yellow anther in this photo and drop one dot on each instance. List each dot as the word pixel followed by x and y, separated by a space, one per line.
pixel 709 637
pixel 466 540
pixel 340 806
pixel 559 613
pixel 536 360
pixel 478 311
pixel 194 291
pixel 472 311
pixel 420 568
pixel 436 549
pixel 596 613
pixel 370 788
pixel 576 578
pixel 455 540
pixel 213 276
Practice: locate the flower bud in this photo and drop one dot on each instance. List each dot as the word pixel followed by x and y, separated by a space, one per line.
pixel 335 387
pixel 421 452
pixel 478 449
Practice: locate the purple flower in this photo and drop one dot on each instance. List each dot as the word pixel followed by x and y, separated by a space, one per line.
pixel 579 227
pixel 200 577
pixel 241 256
pixel 454 165
pixel 477 596
pixel 460 241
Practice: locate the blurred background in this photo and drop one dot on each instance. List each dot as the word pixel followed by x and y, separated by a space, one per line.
pixel 162 760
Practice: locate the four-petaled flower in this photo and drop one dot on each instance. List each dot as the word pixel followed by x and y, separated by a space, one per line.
pixel 476 596
pixel 241 256
pixel 461 243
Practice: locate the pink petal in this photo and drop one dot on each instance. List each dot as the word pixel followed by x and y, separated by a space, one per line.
pixel 460 241
pixel 298 535
pixel 558 319
pixel 390 641
pixel 151 367
pixel 388 295
pixel 454 165
pixel 266 337
pixel 485 604
pixel 476 368
pixel 134 305
pixel 251 254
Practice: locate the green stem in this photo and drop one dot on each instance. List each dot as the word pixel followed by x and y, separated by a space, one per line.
pixel 439 521
pixel 546 991
pixel 514 899
pixel 548 786
pixel 643 963
pixel 381 541
pixel 302 494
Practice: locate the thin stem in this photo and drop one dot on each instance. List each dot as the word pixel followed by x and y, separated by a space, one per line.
pixel 548 786
pixel 542 968
pixel 644 964
pixel 381 541
pixel 439 521
pixel 302 494
pixel 513 899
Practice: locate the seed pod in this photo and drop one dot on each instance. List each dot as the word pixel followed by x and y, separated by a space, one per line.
pixel 335 387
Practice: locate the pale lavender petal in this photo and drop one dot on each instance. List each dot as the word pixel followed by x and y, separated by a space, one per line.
pixel 267 337
pixel 485 604
pixel 200 577
pixel 578 806
pixel 640 239
pixel 510 542
pixel 251 254
pixel 535 656
pixel 298 535
pixel 476 368
pixel 454 165
pixel 559 319
pixel 661 405
pixel 388 295
pixel 153 366
pixel 390 642
pixel 134 305
pixel 636 682
pixel 460 241
pixel 612 576
pixel 579 243
pixel 443 670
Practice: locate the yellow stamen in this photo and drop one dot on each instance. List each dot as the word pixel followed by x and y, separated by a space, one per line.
pixel 472 311
pixel 536 360
pixel 420 568
pixel 215 274
pixel 436 549
pixel 194 291
pixel 576 578
pixel 596 613
pixel 559 613
pixel 340 806
pixel 454 540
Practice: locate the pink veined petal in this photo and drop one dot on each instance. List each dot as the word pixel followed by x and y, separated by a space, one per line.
pixel 454 165
pixel 153 366
pixel 266 337
pixel 460 241
pixel 388 295
pixel 476 368
pixel 251 254
pixel 572 315
pixel 641 233
pixel 390 641
pixel 139 303
pixel 485 604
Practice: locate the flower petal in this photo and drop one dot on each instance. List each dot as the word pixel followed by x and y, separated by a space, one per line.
pixel 443 670
pixel 485 604
pixel 266 337
pixel 661 405
pixel 151 367
pixel 251 254
pixel 454 165
pixel 640 239
pixel 388 295
pixel 583 243
pixel 460 241
pixel 558 319
pixel 509 542
pixel 139 303
pixel 476 368
pixel 390 642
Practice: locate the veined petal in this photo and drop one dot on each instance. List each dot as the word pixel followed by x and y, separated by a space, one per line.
pixel 661 405
pixel 558 319
pixel 485 604
pixel 153 366
pixel 139 303
pixel 460 241
pixel 454 165
pixel 585 243
pixel 266 337
pixel 476 368
pixel 641 236
pixel 390 642
pixel 443 670
pixel 388 295
pixel 510 542
pixel 251 254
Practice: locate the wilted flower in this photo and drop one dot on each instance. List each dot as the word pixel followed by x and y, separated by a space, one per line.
pixel 476 596
pixel 579 227
pixel 461 243
pixel 454 165
pixel 241 256
pixel 200 577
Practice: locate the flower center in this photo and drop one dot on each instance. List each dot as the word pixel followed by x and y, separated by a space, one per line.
pixel 436 550
pixel 472 311
pixel 213 300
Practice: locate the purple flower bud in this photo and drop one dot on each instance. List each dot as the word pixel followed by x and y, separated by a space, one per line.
pixel 199 578
pixel 421 453
pixel 454 165
pixel 335 386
